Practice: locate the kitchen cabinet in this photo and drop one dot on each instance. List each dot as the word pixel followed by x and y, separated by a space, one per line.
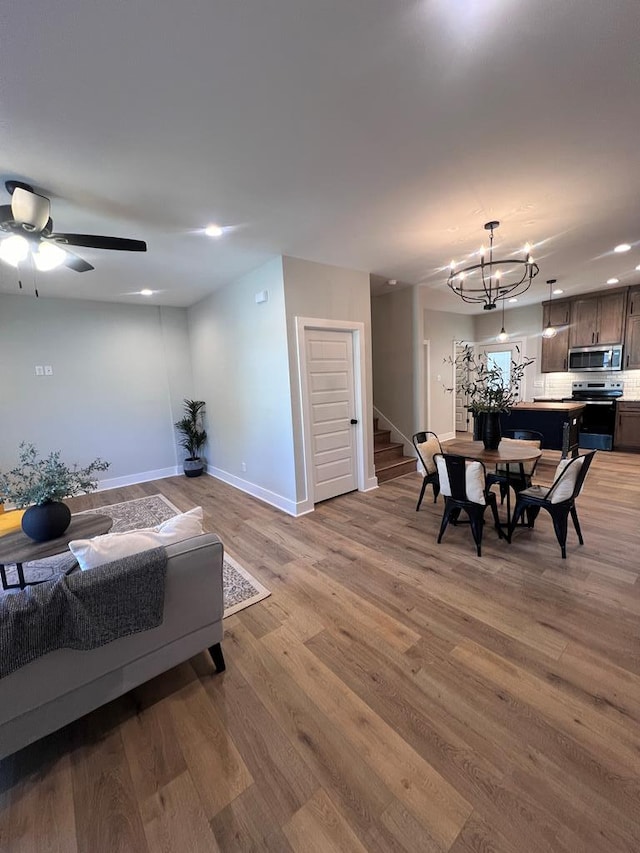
pixel 627 434
pixel 598 320
pixel 631 354
pixel 555 350
pixel 634 302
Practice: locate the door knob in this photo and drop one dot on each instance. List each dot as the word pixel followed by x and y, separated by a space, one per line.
pixel 354 421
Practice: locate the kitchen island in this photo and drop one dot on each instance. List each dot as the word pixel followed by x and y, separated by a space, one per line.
pixel 558 422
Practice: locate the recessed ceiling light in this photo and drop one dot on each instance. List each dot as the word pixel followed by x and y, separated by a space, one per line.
pixel 146 292
pixel 213 231
pixel 623 247
pixel 557 291
pixel 513 299
pixel 613 280
pixel 392 281
pixel 638 267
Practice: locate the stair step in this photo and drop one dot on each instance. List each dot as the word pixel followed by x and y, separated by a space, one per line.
pixel 391 470
pixel 381 437
pixel 387 452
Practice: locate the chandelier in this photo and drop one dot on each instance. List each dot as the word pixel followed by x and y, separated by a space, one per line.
pixel 491 279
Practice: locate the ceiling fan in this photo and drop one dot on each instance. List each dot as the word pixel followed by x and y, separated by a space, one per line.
pixel 30 227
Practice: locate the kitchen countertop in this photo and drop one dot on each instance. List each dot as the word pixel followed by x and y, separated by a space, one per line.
pixel 550 407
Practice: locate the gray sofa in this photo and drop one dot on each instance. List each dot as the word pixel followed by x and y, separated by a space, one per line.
pixel 61 686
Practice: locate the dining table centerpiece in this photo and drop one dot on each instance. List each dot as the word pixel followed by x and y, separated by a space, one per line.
pixel 489 389
pixel 41 484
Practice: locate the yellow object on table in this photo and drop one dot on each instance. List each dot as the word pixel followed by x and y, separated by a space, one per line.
pixel 10 521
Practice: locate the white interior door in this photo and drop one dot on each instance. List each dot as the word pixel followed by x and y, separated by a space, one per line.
pixel 330 381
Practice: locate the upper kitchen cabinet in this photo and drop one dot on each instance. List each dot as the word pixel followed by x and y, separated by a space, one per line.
pixel 631 355
pixel 598 320
pixel 555 350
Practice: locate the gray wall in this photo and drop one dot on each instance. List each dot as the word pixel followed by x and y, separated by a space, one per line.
pixel 326 293
pixel 394 358
pixel 402 322
pixel 441 329
pixel 120 373
pixel 240 368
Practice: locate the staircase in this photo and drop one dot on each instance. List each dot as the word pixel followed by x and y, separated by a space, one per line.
pixel 388 457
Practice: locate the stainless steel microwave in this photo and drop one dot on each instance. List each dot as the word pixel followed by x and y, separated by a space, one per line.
pixel 596 358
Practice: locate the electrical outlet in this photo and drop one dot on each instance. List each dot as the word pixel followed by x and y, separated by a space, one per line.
pixel 39 370
pixel 48 370
pixel 243 466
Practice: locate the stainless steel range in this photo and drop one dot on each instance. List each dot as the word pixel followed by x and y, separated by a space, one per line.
pixel 599 418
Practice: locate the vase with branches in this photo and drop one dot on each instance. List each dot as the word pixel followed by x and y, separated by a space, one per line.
pixel 488 388
pixel 41 484
pixel 194 436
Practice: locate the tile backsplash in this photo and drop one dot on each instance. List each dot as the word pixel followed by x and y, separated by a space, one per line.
pixel 559 384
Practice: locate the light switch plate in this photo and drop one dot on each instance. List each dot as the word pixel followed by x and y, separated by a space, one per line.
pixel 39 370
pixel 48 370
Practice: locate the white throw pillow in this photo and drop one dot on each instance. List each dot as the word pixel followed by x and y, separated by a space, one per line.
pixel 565 487
pixel 427 450
pixel 474 480
pixel 91 553
pixel 528 467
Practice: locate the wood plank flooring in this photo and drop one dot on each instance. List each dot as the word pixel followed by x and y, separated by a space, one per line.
pixel 391 694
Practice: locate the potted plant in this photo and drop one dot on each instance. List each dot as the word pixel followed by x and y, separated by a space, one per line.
pixel 41 484
pixel 193 436
pixel 489 393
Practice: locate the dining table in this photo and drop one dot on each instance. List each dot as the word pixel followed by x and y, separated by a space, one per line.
pixel 512 452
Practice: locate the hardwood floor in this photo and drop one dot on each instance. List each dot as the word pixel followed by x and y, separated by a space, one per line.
pixel 391 694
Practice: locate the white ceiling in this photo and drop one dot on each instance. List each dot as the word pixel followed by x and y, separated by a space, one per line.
pixel 373 134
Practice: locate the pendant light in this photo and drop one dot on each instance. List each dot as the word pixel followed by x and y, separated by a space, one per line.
pixel 550 331
pixel 502 337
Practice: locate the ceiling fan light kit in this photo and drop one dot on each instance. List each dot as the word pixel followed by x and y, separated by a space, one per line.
pixel 485 282
pixel 30 232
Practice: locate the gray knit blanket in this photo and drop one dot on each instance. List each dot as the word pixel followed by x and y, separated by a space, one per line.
pixel 83 610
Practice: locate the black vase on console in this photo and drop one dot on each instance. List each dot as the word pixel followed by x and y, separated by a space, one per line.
pixel 491 433
pixel 47 521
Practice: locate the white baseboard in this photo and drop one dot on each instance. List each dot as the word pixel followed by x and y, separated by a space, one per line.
pixel 140 477
pixel 446 436
pixel 370 484
pixel 278 501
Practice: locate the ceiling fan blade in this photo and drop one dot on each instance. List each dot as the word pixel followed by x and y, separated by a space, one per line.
pixel 30 209
pixel 77 264
pixel 95 241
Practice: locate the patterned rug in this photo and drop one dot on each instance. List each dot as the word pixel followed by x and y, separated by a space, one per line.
pixel 241 589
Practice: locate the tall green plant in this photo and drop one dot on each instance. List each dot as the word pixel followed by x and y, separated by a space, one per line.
pixel 193 434
pixel 40 481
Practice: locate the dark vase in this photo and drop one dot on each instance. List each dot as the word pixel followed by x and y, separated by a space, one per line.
pixel 491 433
pixel 193 467
pixel 46 521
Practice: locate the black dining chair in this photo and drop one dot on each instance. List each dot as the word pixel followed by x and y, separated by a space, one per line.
pixel 427 444
pixel 558 499
pixel 516 474
pixel 463 486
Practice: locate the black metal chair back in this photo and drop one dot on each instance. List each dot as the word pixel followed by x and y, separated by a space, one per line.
pixel 430 476
pixel 531 501
pixel 459 498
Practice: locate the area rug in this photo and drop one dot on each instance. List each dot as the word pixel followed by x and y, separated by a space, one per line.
pixel 241 589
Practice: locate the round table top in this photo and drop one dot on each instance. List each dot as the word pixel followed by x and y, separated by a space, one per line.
pixel 16 547
pixel 510 451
